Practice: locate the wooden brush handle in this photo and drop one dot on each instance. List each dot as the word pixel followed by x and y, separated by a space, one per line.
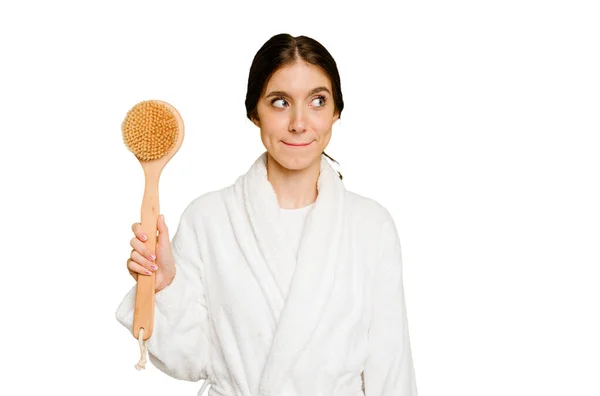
pixel 144 300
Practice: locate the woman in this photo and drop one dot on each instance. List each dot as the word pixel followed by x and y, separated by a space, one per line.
pixel 283 283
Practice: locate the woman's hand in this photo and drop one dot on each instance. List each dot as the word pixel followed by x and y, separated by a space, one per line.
pixel 141 261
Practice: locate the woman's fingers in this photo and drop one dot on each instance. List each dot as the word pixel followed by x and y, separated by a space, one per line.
pixel 137 230
pixel 142 249
pixel 136 268
pixel 144 262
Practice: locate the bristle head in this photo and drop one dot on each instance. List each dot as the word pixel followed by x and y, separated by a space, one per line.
pixel 150 130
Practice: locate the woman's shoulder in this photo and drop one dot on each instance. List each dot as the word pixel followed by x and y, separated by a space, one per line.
pixel 367 208
pixel 208 203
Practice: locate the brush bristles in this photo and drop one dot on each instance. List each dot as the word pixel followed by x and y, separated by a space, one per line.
pixel 150 130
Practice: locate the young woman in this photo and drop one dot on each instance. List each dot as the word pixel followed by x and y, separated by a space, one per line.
pixel 283 283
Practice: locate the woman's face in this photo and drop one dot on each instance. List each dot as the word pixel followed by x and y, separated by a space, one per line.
pixel 296 114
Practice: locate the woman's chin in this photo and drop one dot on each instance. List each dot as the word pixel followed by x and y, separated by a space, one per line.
pixel 295 161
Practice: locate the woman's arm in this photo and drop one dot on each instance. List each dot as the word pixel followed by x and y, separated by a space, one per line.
pixel 389 366
pixel 179 345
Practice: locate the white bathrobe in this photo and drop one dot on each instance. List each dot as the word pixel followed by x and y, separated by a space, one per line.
pixel 227 318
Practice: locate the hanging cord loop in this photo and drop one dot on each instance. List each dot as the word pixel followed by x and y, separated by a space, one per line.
pixel 143 351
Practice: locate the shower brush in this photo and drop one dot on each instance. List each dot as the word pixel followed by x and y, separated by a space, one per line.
pixel 153 132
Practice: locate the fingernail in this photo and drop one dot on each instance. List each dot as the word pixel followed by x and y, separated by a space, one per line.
pixel 148 273
pixel 154 267
pixel 144 237
pixel 152 257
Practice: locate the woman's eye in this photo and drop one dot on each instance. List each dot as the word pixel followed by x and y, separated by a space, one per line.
pixel 277 100
pixel 317 99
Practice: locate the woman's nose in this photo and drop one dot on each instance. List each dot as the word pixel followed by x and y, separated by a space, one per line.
pixel 297 121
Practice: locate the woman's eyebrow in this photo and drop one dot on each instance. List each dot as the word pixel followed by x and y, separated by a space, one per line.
pixel 311 92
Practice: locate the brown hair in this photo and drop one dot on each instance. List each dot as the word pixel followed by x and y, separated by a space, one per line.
pixel 282 50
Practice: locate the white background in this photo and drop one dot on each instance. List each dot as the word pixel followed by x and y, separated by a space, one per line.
pixel 475 123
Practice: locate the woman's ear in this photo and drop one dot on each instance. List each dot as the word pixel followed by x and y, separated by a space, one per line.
pixel 256 122
pixel 336 116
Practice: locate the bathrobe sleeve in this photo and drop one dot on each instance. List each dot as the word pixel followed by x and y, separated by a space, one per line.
pixel 179 344
pixel 389 367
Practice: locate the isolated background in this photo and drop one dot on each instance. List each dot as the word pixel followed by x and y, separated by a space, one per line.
pixel 475 123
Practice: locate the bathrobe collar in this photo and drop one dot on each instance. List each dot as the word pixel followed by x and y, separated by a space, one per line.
pixel 297 316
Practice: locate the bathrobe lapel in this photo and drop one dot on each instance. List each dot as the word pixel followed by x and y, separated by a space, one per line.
pixel 297 316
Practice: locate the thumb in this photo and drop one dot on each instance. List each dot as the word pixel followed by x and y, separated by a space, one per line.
pixel 163 231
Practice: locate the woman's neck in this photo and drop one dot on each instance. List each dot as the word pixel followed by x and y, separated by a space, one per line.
pixel 294 188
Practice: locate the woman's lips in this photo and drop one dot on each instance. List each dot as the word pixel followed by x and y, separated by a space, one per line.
pixel 296 144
